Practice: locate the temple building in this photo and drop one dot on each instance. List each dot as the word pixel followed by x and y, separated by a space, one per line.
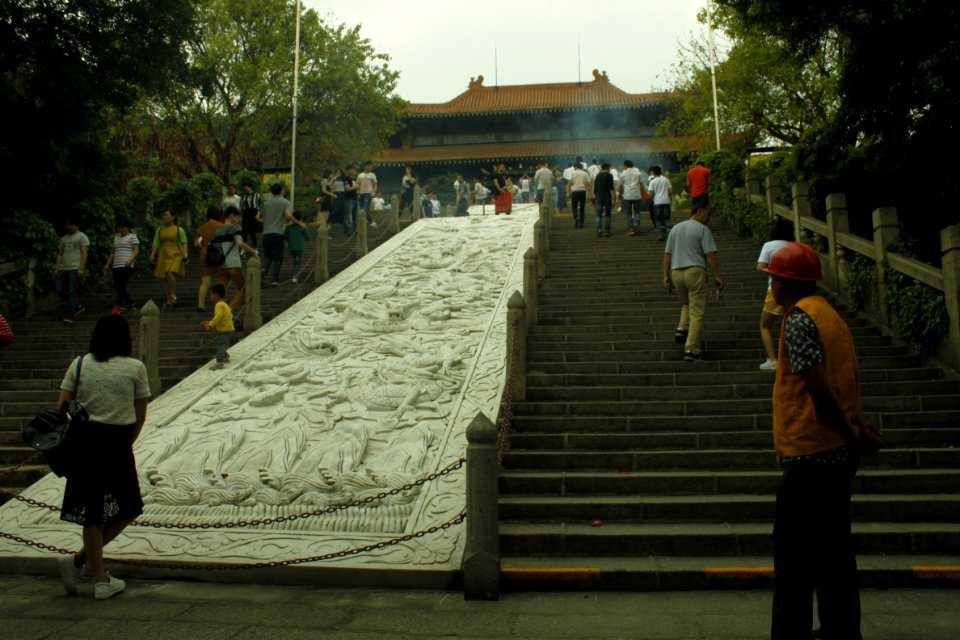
pixel 520 125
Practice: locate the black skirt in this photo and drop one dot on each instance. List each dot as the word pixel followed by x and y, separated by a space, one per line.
pixel 103 488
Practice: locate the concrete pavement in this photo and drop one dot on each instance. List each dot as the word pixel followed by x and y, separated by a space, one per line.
pixel 32 608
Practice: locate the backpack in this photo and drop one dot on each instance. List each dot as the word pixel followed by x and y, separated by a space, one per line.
pixel 215 257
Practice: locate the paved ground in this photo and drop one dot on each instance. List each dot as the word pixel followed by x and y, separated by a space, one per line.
pixel 33 608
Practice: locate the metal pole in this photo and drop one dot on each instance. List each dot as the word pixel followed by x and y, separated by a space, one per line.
pixel 713 71
pixel 296 82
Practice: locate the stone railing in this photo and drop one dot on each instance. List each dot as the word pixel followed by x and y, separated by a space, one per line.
pixel 839 241
pixel 30 278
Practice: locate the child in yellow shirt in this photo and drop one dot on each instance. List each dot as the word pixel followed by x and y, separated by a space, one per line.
pixel 222 323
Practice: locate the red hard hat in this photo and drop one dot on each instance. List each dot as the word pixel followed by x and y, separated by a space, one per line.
pixel 795 261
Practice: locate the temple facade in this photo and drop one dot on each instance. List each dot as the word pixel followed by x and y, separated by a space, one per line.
pixel 521 125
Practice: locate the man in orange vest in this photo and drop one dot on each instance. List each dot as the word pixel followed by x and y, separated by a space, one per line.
pixel 818 432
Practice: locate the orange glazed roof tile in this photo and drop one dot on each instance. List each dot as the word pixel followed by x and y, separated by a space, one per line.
pixel 597 94
pixel 531 150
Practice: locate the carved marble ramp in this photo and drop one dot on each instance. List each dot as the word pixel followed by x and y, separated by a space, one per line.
pixel 365 385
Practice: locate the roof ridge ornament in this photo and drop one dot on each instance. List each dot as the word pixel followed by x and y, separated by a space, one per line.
pixel 598 77
pixel 476 83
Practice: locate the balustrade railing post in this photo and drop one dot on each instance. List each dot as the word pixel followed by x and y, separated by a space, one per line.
pixel 801 207
pixel 415 212
pixel 394 216
pixel 753 183
pixel 950 246
pixel 252 319
pixel 773 193
pixel 516 360
pixel 837 222
pixel 361 234
pixel 546 212
pixel 31 282
pixel 321 271
pixel 886 231
pixel 530 277
pixel 539 241
pixel 481 558
pixel 149 348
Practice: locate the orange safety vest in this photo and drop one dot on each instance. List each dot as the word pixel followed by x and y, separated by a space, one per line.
pixel 797 430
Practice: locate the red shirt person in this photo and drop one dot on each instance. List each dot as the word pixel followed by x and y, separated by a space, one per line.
pixel 698 182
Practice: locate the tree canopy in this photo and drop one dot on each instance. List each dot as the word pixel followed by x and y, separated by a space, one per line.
pixel 234 109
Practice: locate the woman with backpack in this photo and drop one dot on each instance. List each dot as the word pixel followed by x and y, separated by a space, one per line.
pixel 223 253
pixel 202 239
pixel 169 254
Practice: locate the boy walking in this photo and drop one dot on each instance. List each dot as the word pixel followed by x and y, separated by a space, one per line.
pixel 126 247
pixel 296 237
pixel 222 324
pixel 68 270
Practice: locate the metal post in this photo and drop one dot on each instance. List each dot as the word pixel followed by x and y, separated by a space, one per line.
pixel 252 319
pixel 150 344
pixel 481 559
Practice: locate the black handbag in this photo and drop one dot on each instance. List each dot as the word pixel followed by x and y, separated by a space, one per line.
pixel 51 432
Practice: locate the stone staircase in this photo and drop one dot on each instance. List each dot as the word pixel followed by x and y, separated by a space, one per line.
pixel 629 468
pixel 32 368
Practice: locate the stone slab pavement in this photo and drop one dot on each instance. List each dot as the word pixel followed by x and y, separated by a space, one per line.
pixel 32 608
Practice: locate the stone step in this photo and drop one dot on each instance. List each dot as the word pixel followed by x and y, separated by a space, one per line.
pixel 606 327
pixel 649 509
pixel 726 459
pixel 696 441
pixel 710 363
pixel 699 482
pixel 678 573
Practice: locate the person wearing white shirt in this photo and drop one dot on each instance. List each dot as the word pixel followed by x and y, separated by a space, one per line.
pixel 541 177
pixel 568 173
pixel 367 186
pixel 577 190
pixel 662 191
pixel 378 203
pixel 593 169
pixel 631 194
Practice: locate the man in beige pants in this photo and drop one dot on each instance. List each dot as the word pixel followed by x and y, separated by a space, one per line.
pixel 690 248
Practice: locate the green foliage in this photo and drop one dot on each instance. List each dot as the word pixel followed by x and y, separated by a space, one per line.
pixel 138 200
pixel 183 198
pixel 861 280
pixel 919 313
pixel 210 187
pixel 749 220
pixel 245 175
pixel 442 185
pixel 25 235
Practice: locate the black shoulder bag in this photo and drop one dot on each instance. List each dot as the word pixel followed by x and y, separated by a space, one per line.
pixel 52 431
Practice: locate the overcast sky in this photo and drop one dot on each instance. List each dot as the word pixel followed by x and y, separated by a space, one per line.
pixel 437 45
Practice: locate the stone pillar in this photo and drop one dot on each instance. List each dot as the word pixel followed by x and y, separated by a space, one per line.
pixel 546 214
pixel 886 231
pixel 801 207
pixel 773 193
pixel 361 234
pixel 837 222
pixel 950 245
pixel 516 360
pixel 481 558
pixel 530 285
pixel 394 217
pixel 252 319
pixel 150 345
pixel 539 242
pixel 753 183
pixel 415 212
pixel 448 211
pixel 31 284
pixel 321 271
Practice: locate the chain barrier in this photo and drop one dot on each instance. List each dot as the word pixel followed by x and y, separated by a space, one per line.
pixel 503 434
pixel 266 521
pixel 11 470
pixel 251 565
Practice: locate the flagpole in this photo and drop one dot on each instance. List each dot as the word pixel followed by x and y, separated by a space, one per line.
pixel 713 72
pixel 293 139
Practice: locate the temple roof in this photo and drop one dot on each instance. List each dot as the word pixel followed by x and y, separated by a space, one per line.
pixel 479 99
pixel 526 150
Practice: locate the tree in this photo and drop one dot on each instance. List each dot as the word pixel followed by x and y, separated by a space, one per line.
pixel 63 65
pixel 234 110
pixel 897 99
pixel 767 96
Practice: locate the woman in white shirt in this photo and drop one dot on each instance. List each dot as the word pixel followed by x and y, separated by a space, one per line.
pixel 102 492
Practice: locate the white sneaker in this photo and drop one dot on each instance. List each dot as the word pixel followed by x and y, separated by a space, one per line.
pixel 295 281
pixel 373 225
pixel 104 590
pixel 769 365
pixel 69 573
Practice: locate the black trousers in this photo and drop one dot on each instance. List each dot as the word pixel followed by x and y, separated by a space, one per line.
pixel 813 552
pixel 121 276
pixel 578 202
